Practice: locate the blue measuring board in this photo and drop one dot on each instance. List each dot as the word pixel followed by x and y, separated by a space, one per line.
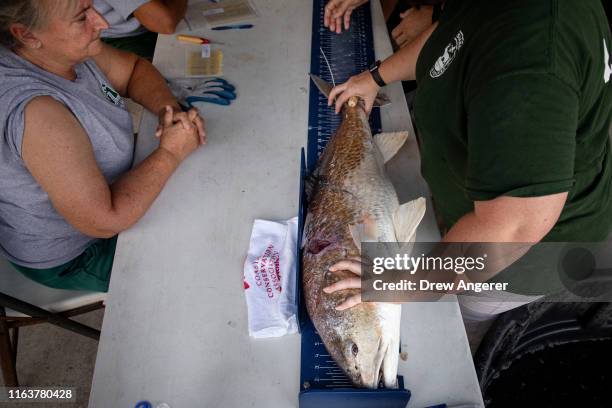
pixel 348 54
pixel 335 58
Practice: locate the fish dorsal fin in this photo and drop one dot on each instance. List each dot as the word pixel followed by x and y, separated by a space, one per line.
pixel 390 143
pixel 407 218
pixel 365 231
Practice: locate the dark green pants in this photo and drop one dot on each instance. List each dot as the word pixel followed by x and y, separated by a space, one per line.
pixel 143 44
pixel 89 271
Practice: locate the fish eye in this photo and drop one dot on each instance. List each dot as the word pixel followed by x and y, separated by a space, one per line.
pixel 354 349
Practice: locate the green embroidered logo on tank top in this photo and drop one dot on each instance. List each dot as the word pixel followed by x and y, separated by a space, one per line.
pixel 111 94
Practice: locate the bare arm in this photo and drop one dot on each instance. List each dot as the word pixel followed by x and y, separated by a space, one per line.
pixel 136 78
pixel 58 153
pixel 504 219
pixel 414 22
pixel 509 219
pixel 161 16
pixel 400 66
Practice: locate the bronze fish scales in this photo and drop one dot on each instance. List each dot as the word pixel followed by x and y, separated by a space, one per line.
pixel 353 201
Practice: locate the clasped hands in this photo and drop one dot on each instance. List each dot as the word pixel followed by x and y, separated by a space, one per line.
pixel 180 133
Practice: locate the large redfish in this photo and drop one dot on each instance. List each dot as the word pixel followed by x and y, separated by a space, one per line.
pixel 353 201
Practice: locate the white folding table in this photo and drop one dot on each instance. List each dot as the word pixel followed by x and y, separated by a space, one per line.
pixel 175 326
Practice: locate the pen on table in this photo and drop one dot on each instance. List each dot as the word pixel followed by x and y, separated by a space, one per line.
pixel 195 40
pixel 233 27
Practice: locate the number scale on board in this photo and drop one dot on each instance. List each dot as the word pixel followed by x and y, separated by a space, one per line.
pixel 335 58
pixel 345 54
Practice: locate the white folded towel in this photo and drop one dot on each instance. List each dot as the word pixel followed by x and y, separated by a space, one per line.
pixel 270 279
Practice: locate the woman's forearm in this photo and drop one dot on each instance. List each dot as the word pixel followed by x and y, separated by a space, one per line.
pixel 177 10
pixel 161 16
pixel 135 191
pixel 148 88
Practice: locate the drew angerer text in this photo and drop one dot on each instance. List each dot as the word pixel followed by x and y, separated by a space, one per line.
pixel 425 285
pixel 412 264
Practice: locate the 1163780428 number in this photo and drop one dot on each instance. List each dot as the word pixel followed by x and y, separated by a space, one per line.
pixel 37 394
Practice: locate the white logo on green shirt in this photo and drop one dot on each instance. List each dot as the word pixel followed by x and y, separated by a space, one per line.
pixel 607 63
pixel 449 54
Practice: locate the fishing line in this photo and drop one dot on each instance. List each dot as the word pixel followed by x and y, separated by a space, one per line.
pixel 328 66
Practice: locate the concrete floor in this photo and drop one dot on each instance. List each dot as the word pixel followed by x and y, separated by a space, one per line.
pixel 50 356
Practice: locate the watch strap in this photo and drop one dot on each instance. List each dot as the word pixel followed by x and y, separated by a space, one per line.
pixel 376 75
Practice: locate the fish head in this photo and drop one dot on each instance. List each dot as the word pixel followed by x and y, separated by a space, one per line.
pixel 360 349
pixel 356 108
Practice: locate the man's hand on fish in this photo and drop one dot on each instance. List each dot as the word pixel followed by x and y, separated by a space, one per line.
pixel 362 85
pixel 353 266
pixel 414 22
pixel 337 11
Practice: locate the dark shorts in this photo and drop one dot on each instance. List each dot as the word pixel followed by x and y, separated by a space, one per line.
pixel 142 44
pixel 89 271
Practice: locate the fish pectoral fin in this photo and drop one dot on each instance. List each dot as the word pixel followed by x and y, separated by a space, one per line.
pixel 390 143
pixel 391 358
pixel 390 364
pixel 407 218
pixel 365 231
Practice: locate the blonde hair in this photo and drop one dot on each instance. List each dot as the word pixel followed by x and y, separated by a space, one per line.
pixel 29 13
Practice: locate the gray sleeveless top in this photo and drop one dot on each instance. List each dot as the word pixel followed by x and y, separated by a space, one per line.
pixel 32 233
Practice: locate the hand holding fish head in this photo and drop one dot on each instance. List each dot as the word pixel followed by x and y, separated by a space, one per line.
pixel 361 85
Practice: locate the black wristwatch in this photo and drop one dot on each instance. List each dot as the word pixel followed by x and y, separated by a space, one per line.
pixel 376 75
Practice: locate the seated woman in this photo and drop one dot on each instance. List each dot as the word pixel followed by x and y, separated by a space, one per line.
pixel 134 24
pixel 66 143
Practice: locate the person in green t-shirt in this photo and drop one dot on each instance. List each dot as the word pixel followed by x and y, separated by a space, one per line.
pixel 513 111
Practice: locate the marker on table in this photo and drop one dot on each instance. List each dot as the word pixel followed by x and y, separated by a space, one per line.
pixel 233 27
pixel 195 40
